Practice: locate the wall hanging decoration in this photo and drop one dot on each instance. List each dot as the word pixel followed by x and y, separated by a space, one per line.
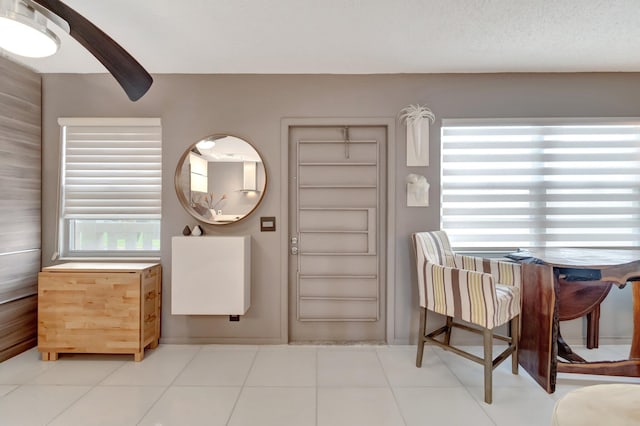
pixel 417 118
pixel 417 191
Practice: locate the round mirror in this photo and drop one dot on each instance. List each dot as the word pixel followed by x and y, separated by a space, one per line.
pixel 220 179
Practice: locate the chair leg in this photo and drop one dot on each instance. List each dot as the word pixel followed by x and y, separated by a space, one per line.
pixel 488 365
pixel 421 334
pixel 515 338
pixel 447 336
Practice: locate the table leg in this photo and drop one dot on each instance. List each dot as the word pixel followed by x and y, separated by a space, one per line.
pixel 635 342
pixel 593 328
pixel 565 352
pixel 628 367
pixel 539 318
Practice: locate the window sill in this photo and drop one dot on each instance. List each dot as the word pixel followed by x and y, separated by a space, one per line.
pixel 109 259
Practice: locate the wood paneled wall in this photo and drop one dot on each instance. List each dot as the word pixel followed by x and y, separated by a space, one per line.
pixel 18 326
pixel 20 201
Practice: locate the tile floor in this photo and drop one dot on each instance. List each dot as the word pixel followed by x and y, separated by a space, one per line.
pixel 189 385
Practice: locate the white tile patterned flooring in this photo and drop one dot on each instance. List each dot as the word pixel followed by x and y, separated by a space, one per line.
pixel 284 385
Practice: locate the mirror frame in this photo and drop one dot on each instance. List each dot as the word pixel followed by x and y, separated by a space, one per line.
pixel 186 203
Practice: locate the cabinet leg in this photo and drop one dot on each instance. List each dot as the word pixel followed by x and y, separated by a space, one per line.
pixel 154 344
pixel 49 356
pixel 138 356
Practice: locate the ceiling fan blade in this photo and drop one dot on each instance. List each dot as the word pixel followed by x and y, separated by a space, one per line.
pixel 133 78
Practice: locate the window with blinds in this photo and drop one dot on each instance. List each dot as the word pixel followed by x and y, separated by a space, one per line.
pixel 508 184
pixel 111 187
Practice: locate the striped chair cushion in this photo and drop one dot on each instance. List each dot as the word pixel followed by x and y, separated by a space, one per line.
pixel 468 295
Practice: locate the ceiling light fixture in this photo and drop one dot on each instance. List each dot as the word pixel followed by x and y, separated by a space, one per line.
pixel 206 144
pixel 24 32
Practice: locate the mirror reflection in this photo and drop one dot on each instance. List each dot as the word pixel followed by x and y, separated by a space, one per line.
pixel 220 179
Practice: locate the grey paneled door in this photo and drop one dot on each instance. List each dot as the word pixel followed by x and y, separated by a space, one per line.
pixel 337 234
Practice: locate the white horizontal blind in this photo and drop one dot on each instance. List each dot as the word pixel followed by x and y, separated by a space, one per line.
pixel 548 183
pixel 112 169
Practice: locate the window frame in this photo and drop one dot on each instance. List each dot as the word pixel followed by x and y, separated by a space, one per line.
pixel 64 225
pixel 540 231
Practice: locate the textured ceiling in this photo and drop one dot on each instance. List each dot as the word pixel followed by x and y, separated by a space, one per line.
pixel 361 36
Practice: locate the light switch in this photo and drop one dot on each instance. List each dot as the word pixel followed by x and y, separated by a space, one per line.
pixel 268 224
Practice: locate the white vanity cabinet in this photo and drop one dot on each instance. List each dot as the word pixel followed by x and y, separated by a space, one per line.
pixel 210 275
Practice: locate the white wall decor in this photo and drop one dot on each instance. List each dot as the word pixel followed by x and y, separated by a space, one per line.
pixel 417 191
pixel 416 118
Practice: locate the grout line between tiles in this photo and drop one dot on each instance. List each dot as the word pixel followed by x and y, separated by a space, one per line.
pixel 64 410
pixel 169 385
pixel 72 403
pixel 242 387
pixel 466 387
pixel 393 392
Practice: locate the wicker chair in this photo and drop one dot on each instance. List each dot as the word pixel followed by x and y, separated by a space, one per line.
pixel 474 294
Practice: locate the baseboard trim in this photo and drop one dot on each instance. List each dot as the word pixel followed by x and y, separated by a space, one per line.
pixel 220 341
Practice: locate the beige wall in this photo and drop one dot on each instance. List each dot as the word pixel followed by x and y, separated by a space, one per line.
pixel 252 106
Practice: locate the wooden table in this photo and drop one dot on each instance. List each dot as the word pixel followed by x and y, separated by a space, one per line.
pixel 544 271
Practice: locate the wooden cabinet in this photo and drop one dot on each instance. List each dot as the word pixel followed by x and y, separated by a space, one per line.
pixel 99 308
